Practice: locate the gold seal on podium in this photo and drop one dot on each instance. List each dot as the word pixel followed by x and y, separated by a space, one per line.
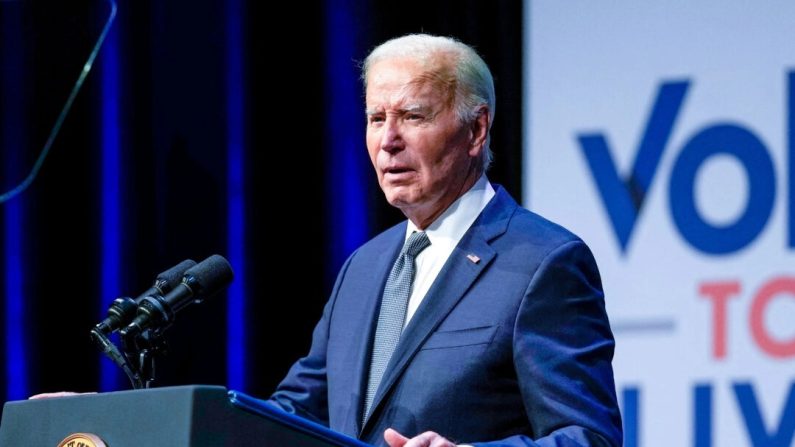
pixel 82 440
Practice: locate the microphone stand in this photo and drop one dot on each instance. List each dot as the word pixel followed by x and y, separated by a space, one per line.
pixel 140 349
pixel 145 347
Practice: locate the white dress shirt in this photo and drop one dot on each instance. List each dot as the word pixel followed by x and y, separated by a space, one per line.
pixel 445 233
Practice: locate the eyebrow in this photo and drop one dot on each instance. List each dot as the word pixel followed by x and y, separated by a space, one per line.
pixel 411 108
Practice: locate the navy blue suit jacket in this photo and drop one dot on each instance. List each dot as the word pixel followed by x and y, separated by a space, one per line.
pixel 514 348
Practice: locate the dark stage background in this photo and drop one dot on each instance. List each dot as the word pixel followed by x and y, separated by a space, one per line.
pixel 201 129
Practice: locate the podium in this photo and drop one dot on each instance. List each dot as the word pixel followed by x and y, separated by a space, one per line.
pixel 182 416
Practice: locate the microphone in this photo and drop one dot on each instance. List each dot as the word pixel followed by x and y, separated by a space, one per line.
pixel 199 282
pixel 123 310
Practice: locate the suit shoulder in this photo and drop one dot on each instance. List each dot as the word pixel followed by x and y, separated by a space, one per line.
pixel 531 239
pixel 535 228
pixel 520 227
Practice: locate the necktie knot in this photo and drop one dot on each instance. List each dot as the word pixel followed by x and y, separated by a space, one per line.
pixel 416 243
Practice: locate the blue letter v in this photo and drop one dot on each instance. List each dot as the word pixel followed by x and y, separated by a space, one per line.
pixel 623 198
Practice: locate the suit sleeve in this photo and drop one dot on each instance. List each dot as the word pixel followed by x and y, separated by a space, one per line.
pixel 304 391
pixel 563 348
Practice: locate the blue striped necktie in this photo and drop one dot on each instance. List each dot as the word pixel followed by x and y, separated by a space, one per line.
pixel 393 312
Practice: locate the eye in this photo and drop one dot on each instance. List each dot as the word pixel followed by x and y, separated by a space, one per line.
pixel 375 119
pixel 415 117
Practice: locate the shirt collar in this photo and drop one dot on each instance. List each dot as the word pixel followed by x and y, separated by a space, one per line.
pixel 451 225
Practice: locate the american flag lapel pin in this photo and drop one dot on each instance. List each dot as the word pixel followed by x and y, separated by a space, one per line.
pixel 473 258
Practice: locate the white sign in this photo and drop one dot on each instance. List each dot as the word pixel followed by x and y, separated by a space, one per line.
pixel 663 134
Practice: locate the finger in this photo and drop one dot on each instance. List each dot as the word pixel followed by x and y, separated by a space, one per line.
pixel 57 394
pixel 442 442
pixel 394 439
pixel 428 439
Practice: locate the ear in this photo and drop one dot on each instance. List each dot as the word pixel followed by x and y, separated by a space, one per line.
pixel 479 131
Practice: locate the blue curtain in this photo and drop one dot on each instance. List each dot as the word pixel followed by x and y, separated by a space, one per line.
pixel 201 129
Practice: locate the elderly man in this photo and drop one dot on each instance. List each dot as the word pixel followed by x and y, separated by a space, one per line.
pixel 473 321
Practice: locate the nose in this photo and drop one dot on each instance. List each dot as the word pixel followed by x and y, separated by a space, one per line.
pixel 391 138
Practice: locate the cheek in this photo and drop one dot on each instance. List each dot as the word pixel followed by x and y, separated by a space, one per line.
pixel 443 160
pixel 372 147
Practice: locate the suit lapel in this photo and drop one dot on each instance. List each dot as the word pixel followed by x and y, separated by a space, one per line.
pixel 467 261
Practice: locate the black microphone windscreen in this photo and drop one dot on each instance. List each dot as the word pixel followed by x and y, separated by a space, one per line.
pixel 173 276
pixel 209 276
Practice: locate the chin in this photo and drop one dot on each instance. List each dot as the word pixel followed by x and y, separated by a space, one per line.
pixel 403 196
pixel 399 199
pixel 396 200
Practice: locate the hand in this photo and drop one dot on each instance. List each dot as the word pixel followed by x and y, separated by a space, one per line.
pixel 427 439
pixel 58 394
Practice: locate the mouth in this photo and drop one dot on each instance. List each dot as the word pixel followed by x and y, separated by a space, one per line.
pixel 397 170
pixel 398 173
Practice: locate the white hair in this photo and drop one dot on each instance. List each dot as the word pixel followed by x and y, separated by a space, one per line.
pixel 474 85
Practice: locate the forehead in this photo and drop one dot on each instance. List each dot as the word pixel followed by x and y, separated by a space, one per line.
pixel 398 80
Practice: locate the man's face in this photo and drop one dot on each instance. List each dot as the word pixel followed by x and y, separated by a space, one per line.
pixel 422 153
